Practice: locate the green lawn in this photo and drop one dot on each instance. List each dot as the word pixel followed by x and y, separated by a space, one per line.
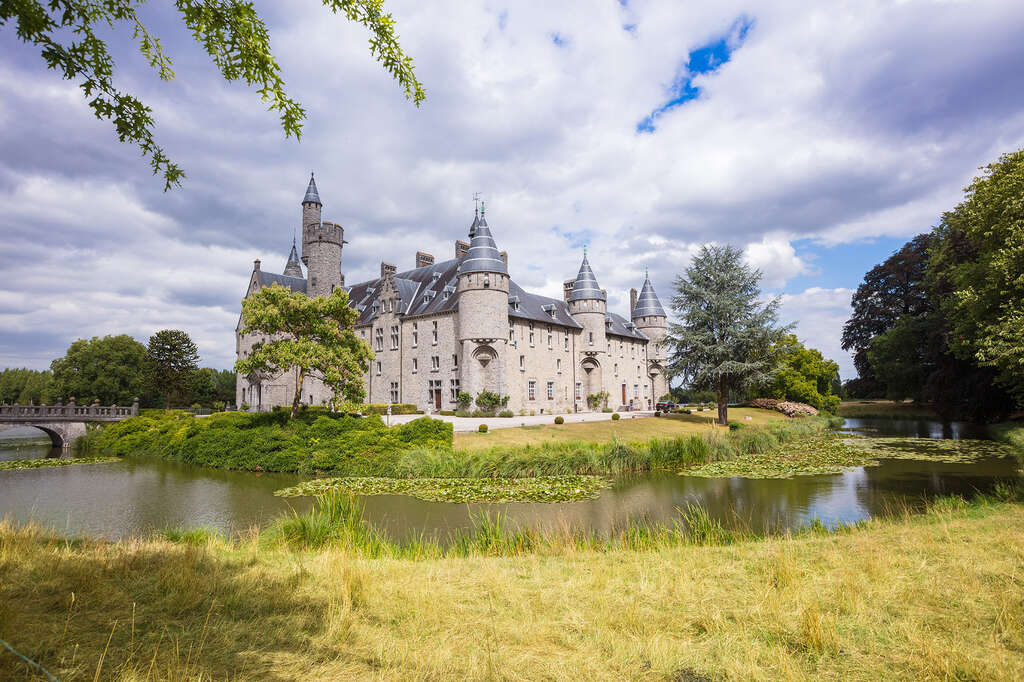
pixel 891 409
pixel 625 429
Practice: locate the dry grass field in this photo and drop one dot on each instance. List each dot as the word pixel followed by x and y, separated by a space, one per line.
pixel 931 597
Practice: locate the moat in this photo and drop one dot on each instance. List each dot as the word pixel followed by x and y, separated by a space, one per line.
pixel 139 494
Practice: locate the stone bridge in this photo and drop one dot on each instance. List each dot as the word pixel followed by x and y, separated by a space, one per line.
pixel 63 423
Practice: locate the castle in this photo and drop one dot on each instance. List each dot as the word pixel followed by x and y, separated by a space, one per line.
pixel 462 324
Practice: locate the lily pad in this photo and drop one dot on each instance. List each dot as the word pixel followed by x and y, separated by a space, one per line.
pixel 53 462
pixel 931 449
pixel 535 489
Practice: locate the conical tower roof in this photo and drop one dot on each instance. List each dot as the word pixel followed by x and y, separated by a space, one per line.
pixel 648 303
pixel 292 268
pixel 483 255
pixel 586 287
pixel 312 196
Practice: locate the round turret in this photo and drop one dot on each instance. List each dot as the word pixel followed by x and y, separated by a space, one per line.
pixel 321 246
pixel 649 317
pixel 588 304
pixel 483 285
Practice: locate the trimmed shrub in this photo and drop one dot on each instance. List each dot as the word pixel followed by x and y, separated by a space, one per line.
pixel 447 413
pixel 482 428
pixel 616 416
pixel 607 409
pixel 463 413
pixel 506 413
pixel 382 408
pixel 559 420
pixel 735 426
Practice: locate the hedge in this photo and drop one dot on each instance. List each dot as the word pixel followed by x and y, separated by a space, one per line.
pixel 315 441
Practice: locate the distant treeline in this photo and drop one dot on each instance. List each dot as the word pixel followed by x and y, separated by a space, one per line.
pixel 941 321
pixel 113 369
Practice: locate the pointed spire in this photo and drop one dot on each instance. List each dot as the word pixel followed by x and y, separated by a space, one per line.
pixel 483 254
pixel 312 196
pixel 586 287
pixel 647 303
pixel 292 268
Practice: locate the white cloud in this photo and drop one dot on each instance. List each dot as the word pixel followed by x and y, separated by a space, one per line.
pixel 819 315
pixel 833 121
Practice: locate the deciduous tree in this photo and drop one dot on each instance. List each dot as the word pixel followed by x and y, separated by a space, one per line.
pixel 977 272
pixel 230 31
pixel 804 375
pixel 726 333
pixel 312 335
pixel 111 369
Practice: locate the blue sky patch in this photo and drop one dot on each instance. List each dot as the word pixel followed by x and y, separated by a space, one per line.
pixel 705 59
pixel 559 40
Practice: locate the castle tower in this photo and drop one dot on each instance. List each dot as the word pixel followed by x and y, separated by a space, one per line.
pixel 292 267
pixel 482 326
pixel 321 246
pixel 589 305
pixel 649 317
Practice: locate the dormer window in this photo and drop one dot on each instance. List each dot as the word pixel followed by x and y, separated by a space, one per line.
pixel 549 308
pixel 514 300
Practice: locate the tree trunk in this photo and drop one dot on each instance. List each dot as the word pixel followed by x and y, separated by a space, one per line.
pixel 723 404
pixel 298 393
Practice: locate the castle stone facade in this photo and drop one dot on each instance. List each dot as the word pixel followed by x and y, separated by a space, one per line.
pixel 463 324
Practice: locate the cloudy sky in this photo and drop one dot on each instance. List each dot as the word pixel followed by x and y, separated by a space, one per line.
pixel 817 136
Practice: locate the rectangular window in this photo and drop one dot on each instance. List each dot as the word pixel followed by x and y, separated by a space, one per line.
pixel 636 391
pixel 550 336
pixel 590 338
pixel 455 360
pixel 415 335
pixel 394 391
pixel 379 338
pixel 531 390
pixel 558 366
pixel 394 337
pixel 579 390
pixel 435 362
pixel 565 341
pixel 522 363
pixel 616 369
pixel 512 335
pixel 531 333
pixel 455 390
pixel 551 390
pixel 415 365
pixel 434 333
pixel 378 368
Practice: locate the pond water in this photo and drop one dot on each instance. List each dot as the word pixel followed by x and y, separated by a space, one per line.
pixel 137 495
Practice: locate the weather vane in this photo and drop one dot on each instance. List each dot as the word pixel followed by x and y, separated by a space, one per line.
pixel 476 202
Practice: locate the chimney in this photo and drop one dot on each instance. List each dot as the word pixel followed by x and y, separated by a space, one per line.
pixel 423 259
pixel 461 248
pixel 567 288
pixel 256 264
pixel 387 269
pixel 504 258
pixel 632 301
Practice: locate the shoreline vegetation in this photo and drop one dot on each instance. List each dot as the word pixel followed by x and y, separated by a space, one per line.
pixel 321 595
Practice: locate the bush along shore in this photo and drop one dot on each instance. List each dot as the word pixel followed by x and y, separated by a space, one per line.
pixel 365 447
pixel 321 596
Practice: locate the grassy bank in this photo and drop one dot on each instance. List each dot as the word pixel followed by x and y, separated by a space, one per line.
pixel 936 596
pixel 350 447
pixel 626 429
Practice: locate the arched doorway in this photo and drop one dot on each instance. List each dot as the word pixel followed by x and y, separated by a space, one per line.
pixel 590 371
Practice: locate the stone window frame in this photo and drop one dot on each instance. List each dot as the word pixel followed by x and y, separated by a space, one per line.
pixel 565 341
pixel 415 365
pixel 579 390
pixel 455 361
pixel 433 332
pixel 558 365
pixel 550 390
pixel 531 389
pixel 531 335
pixel 435 363
pixel 551 336
pixel 415 335
pixel 522 363
pixel 394 392
pixel 590 338
pixel 394 337
pixel 378 368
pixel 378 339
pixel 454 389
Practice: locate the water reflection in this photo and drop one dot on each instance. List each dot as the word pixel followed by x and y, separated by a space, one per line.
pixel 137 495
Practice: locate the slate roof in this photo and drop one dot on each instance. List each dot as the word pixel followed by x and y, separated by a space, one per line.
pixel 647 303
pixel 531 307
pixel 483 255
pixel 312 196
pixel 292 267
pixel 586 287
pixel 617 324
pixel 294 283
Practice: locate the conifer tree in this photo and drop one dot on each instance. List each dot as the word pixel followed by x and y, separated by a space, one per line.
pixel 725 338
